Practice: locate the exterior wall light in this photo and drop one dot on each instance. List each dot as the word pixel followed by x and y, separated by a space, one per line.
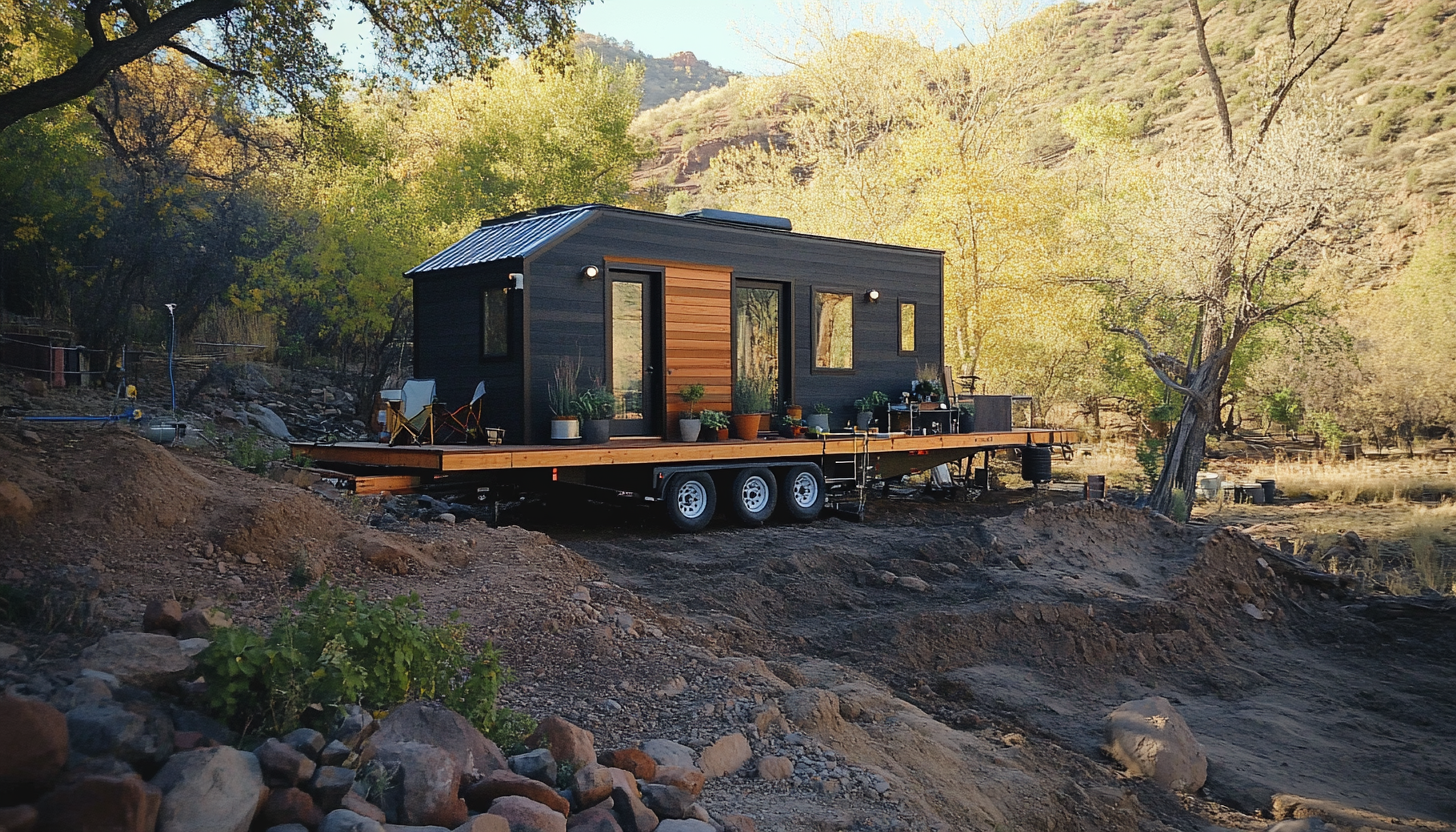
pixel 872 296
pixel 590 272
pixel 518 280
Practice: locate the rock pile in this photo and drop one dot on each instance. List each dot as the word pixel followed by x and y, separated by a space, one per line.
pixel 108 747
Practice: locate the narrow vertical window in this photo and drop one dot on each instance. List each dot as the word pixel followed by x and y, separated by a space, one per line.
pixel 833 331
pixel 907 326
pixel 495 322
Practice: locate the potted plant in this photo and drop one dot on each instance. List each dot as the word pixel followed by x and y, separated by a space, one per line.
pixel 790 428
pixel 752 401
pixel 793 411
pixel 690 425
pixel 864 409
pixel 715 425
pixel 927 384
pixel 819 419
pixel 596 406
pixel 561 394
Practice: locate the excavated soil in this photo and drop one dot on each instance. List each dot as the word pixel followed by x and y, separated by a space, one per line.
pixel 978 691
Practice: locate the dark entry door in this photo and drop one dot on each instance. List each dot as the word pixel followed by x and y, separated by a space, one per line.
pixel 634 352
pixel 761 339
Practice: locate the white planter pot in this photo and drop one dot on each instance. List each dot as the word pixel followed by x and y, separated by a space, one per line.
pixel 690 429
pixel 565 429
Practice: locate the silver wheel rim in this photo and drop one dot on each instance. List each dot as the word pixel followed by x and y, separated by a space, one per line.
pixel 805 490
pixel 692 499
pixel 755 494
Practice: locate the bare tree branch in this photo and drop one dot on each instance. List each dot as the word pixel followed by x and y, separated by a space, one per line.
pixel 206 61
pixel 1153 363
pixel 1220 101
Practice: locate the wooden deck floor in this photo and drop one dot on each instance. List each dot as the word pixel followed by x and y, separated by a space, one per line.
pixel 655 451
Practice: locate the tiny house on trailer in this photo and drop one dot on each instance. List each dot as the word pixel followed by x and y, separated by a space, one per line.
pixel 651 303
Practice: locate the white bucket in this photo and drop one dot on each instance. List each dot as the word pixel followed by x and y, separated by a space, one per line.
pixel 1209 485
pixel 565 429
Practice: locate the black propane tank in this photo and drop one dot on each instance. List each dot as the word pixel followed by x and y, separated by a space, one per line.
pixel 1036 464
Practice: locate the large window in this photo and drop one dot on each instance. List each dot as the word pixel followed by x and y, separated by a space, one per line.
pixel 495 323
pixel 907 326
pixel 833 331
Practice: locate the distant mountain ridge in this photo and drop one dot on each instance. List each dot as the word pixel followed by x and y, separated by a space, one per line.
pixel 664 78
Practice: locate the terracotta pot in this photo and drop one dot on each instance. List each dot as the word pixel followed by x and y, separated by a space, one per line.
pixel 794 411
pixel 745 425
pixel 763 423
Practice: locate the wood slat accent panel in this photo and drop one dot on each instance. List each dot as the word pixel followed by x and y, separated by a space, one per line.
pixel 698 337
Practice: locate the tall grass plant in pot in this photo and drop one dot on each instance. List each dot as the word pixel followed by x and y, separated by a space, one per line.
pixel 561 394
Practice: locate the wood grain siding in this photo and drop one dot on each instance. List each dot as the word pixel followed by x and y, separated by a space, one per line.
pixel 698 335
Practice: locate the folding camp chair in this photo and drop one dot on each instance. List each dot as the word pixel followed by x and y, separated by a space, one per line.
pixel 412 418
pixel 468 421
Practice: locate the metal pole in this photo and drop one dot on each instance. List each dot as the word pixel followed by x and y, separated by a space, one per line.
pixel 171 349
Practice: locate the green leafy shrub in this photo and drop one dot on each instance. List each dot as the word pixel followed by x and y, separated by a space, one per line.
pixel 1149 455
pixel 251 451
pixel 714 420
pixel 1283 409
pixel 340 648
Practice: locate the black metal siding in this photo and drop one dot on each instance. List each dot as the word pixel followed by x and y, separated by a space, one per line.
pixel 448 342
pixel 567 313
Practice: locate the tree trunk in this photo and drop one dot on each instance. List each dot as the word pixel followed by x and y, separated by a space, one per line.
pixel 1184 454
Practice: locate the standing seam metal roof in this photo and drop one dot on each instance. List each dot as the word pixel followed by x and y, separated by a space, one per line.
pixel 517 238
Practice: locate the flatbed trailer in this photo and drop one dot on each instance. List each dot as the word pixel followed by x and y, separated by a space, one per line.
pixel 796 477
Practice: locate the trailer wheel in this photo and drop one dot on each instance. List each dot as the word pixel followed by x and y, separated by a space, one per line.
pixel 691 500
pixel 803 492
pixel 755 495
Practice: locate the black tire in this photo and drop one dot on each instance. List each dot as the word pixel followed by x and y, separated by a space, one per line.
pixel 690 500
pixel 755 495
pixel 802 492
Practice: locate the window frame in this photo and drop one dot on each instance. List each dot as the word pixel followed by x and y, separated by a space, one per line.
pixel 814 368
pixel 509 354
pixel 900 304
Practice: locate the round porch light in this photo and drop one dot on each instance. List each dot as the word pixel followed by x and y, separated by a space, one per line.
pixel 873 296
pixel 591 272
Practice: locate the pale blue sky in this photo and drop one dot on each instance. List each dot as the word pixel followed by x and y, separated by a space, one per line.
pixel 720 33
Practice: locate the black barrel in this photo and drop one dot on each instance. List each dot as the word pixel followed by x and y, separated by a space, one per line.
pixel 1096 488
pixel 1268 486
pixel 1036 463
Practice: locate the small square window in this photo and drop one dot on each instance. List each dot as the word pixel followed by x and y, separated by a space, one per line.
pixel 495 323
pixel 833 331
pixel 907 326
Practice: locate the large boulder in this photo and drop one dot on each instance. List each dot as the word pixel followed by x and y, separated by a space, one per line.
pixel 725 756
pixel 424 785
pixel 291 806
pixel 145 660
pixel 100 802
pixel 526 815
pixel 685 826
pixel 634 760
pixel 480 794
pixel 537 765
pixel 591 785
pixel 199 622
pixel 163 615
pixel 134 733
pixel 687 778
pixel 667 801
pixel 343 820
pixel 484 823
pixel 16 507
pixel 814 710
pixel 210 790
pixel 283 765
pixel 434 724
pixel 1150 739
pixel 632 813
pixel 36 746
pixel 329 786
pixel 596 819
pixel 567 742
pixel 669 753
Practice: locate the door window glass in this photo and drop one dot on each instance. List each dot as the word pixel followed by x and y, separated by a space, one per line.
pixel 759 337
pixel 627 349
pixel 834 330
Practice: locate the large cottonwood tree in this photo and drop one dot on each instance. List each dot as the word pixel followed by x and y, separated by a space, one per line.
pixel 269 44
pixel 1247 220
